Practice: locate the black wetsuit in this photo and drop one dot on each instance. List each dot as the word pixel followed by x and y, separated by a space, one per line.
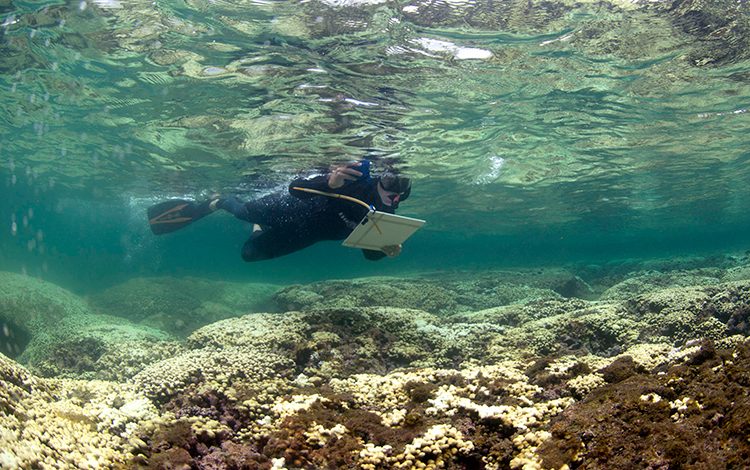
pixel 294 220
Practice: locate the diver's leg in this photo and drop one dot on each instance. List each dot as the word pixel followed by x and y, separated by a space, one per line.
pixel 271 243
pixel 234 206
pixel 271 210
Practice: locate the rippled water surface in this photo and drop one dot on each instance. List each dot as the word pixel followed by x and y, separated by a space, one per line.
pixel 525 124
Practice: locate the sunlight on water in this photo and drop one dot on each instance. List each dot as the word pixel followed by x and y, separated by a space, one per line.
pixel 513 118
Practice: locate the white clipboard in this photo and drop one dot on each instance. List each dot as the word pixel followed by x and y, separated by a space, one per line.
pixel 379 229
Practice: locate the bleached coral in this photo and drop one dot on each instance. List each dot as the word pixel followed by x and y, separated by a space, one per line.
pixel 372 456
pixel 66 423
pixel 222 367
pixel 527 444
pixel 584 384
pixel 433 450
pixel 319 436
pixel 448 402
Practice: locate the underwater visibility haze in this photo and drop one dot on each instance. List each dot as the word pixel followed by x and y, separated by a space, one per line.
pixel 532 130
pixel 578 297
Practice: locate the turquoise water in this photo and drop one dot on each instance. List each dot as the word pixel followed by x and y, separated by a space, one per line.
pixel 579 296
pixel 537 133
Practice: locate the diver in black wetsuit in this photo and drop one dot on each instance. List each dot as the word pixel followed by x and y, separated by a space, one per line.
pixel 290 221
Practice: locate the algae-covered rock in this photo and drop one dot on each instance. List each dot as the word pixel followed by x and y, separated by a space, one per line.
pixel 323 343
pixel 386 292
pixel 31 304
pixel 680 314
pixel 180 305
pixel 436 294
pixel 639 276
pixel 96 346
pixel 653 281
pixel 55 333
pixel 737 273
pixel 563 282
pixel 522 312
pixel 694 412
pixel 604 329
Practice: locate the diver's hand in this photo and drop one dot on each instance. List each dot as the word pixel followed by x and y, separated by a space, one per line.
pixel 391 250
pixel 341 174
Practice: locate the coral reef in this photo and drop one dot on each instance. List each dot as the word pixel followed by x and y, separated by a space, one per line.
pixel 68 423
pixel 657 280
pixel 540 382
pixel 56 333
pixel 437 293
pixel 692 415
pixel 96 346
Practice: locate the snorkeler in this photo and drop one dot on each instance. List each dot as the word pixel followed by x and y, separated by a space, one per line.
pixel 286 222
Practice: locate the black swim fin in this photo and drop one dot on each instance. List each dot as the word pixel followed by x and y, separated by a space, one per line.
pixel 175 214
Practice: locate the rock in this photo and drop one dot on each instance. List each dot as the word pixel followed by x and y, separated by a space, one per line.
pixel 180 305
pixel 56 333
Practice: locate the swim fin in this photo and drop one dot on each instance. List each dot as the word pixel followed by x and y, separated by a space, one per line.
pixel 175 214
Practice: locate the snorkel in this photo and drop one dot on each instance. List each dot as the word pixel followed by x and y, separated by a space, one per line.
pixel 364 168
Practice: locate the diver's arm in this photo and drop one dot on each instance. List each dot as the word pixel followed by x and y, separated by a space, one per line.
pixel 391 251
pixel 373 255
pixel 319 183
pixel 343 174
pixel 331 182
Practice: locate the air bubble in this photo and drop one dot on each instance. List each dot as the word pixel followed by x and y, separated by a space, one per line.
pixel 6 330
pixel 82 6
pixel 10 20
pixel 13 228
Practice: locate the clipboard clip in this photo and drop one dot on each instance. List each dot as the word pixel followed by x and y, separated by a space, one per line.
pixel 366 219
